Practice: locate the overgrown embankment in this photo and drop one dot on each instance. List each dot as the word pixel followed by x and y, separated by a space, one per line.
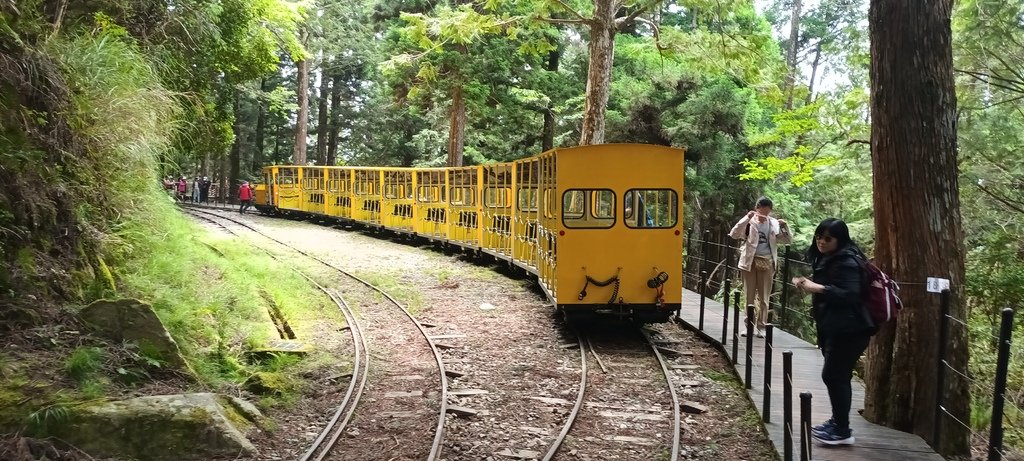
pixel 85 120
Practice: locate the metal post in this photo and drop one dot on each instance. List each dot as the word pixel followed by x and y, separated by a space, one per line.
pixel 995 440
pixel 784 302
pixel 700 289
pixel 728 257
pixel 735 328
pixel 748 369
pixel 805 426
pixel 767 388
pixel 704 250
pixel 787 405
pixel 725 316
pixel 940 367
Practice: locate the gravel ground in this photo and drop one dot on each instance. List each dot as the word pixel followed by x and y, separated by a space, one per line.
pixel 517 361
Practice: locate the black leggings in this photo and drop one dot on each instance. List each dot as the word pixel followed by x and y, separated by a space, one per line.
pixel 841 354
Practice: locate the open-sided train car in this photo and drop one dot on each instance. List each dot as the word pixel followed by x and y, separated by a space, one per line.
pixel 599 226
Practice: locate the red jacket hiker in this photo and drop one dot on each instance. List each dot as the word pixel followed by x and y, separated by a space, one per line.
pixel 245 192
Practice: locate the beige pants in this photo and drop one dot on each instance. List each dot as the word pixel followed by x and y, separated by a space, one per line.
pixel 757 285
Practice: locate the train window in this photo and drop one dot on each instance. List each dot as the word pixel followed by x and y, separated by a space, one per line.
pixel 499 197
pixel 572 204
pixel 652 208
pixel 393 191
pixel 465 196
pixel 287 176
pixel 311 183
pixel 527 199
pixel 428 194
pixel 365 187
pixel 588 208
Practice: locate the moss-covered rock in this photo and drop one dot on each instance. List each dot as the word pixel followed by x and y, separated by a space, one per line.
pixel 269 383
pixel 134 320
pixel 163 427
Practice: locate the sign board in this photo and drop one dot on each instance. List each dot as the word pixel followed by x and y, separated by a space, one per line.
pixel 936 285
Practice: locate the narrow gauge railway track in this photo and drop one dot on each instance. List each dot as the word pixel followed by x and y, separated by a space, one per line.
pixel 619 412
pixel 376 425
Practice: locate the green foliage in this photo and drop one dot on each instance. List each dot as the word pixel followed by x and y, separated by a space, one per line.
pixel 84 362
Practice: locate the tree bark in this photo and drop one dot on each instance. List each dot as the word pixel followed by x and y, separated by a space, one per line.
pixel 261 122
pixel 794 37
pixel 548 136
pixel 917 217
pixel 302 120
pixel 235 158
pixel 456 127
pixel 599 72
pixel 335 119
pixel 814 74
pixel 321 115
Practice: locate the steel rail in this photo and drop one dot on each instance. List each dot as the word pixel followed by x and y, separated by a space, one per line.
pixel 672 390
pixel 435 450
pixel 557 443
pixel 364 371
pixel 360 367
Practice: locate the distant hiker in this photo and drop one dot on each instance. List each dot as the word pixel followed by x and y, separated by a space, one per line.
pixel 204 190
pixel 244 197
pixel 182 186
pixel 195 189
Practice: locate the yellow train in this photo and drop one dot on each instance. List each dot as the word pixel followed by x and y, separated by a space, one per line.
pixel 599 226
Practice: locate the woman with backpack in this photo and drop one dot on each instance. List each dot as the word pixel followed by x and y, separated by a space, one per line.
pixel 843 324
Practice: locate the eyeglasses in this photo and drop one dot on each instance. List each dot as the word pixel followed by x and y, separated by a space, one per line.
pixel 826 238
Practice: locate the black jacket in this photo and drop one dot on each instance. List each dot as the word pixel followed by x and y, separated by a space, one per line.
pixel 839 310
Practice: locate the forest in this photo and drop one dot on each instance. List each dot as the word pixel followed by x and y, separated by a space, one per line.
pixel 101 99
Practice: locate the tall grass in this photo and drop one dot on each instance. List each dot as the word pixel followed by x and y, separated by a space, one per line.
pixel 127 120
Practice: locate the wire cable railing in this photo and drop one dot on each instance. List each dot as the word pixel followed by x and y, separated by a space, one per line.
pixel 710 269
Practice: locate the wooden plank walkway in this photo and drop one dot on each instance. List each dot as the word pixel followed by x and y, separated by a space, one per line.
pixel 873 442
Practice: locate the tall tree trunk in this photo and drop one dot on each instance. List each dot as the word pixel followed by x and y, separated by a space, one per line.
pixel 261 122
pixel 234 159
pixel 917 217
pixel 456 127
pixel 224 169
pixel 321 115
pixel 277 148
pixel 814 74
pixel 335 122
pixel 302 120
pixel 599 72
pixel 794 37
pixel 548 136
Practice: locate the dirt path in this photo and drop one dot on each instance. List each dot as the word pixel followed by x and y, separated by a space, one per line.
pixel 514 355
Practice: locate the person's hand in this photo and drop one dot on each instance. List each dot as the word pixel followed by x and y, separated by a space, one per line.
pixel 799 282
pixel 750 214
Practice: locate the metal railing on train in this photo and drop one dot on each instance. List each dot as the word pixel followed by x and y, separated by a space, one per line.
pixel 710 270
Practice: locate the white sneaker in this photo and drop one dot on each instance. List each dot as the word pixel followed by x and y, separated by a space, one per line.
pixel 760 333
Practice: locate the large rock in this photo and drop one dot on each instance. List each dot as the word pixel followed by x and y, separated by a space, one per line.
pixel 134 320
pixel 162 427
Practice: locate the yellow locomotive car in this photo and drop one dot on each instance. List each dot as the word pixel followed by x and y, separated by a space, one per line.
pixel 599 226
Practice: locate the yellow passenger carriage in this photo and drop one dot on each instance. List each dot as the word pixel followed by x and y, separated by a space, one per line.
pixel 599 226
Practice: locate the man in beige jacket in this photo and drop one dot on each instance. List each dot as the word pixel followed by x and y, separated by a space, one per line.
pixel 761 234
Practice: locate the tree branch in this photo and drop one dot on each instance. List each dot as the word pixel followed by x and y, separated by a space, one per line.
pixel 623 21
pixel 572 11
pixel 987 79
pixel 1000 199
pixel 564 21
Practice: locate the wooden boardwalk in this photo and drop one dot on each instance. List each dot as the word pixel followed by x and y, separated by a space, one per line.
pixel 873 442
